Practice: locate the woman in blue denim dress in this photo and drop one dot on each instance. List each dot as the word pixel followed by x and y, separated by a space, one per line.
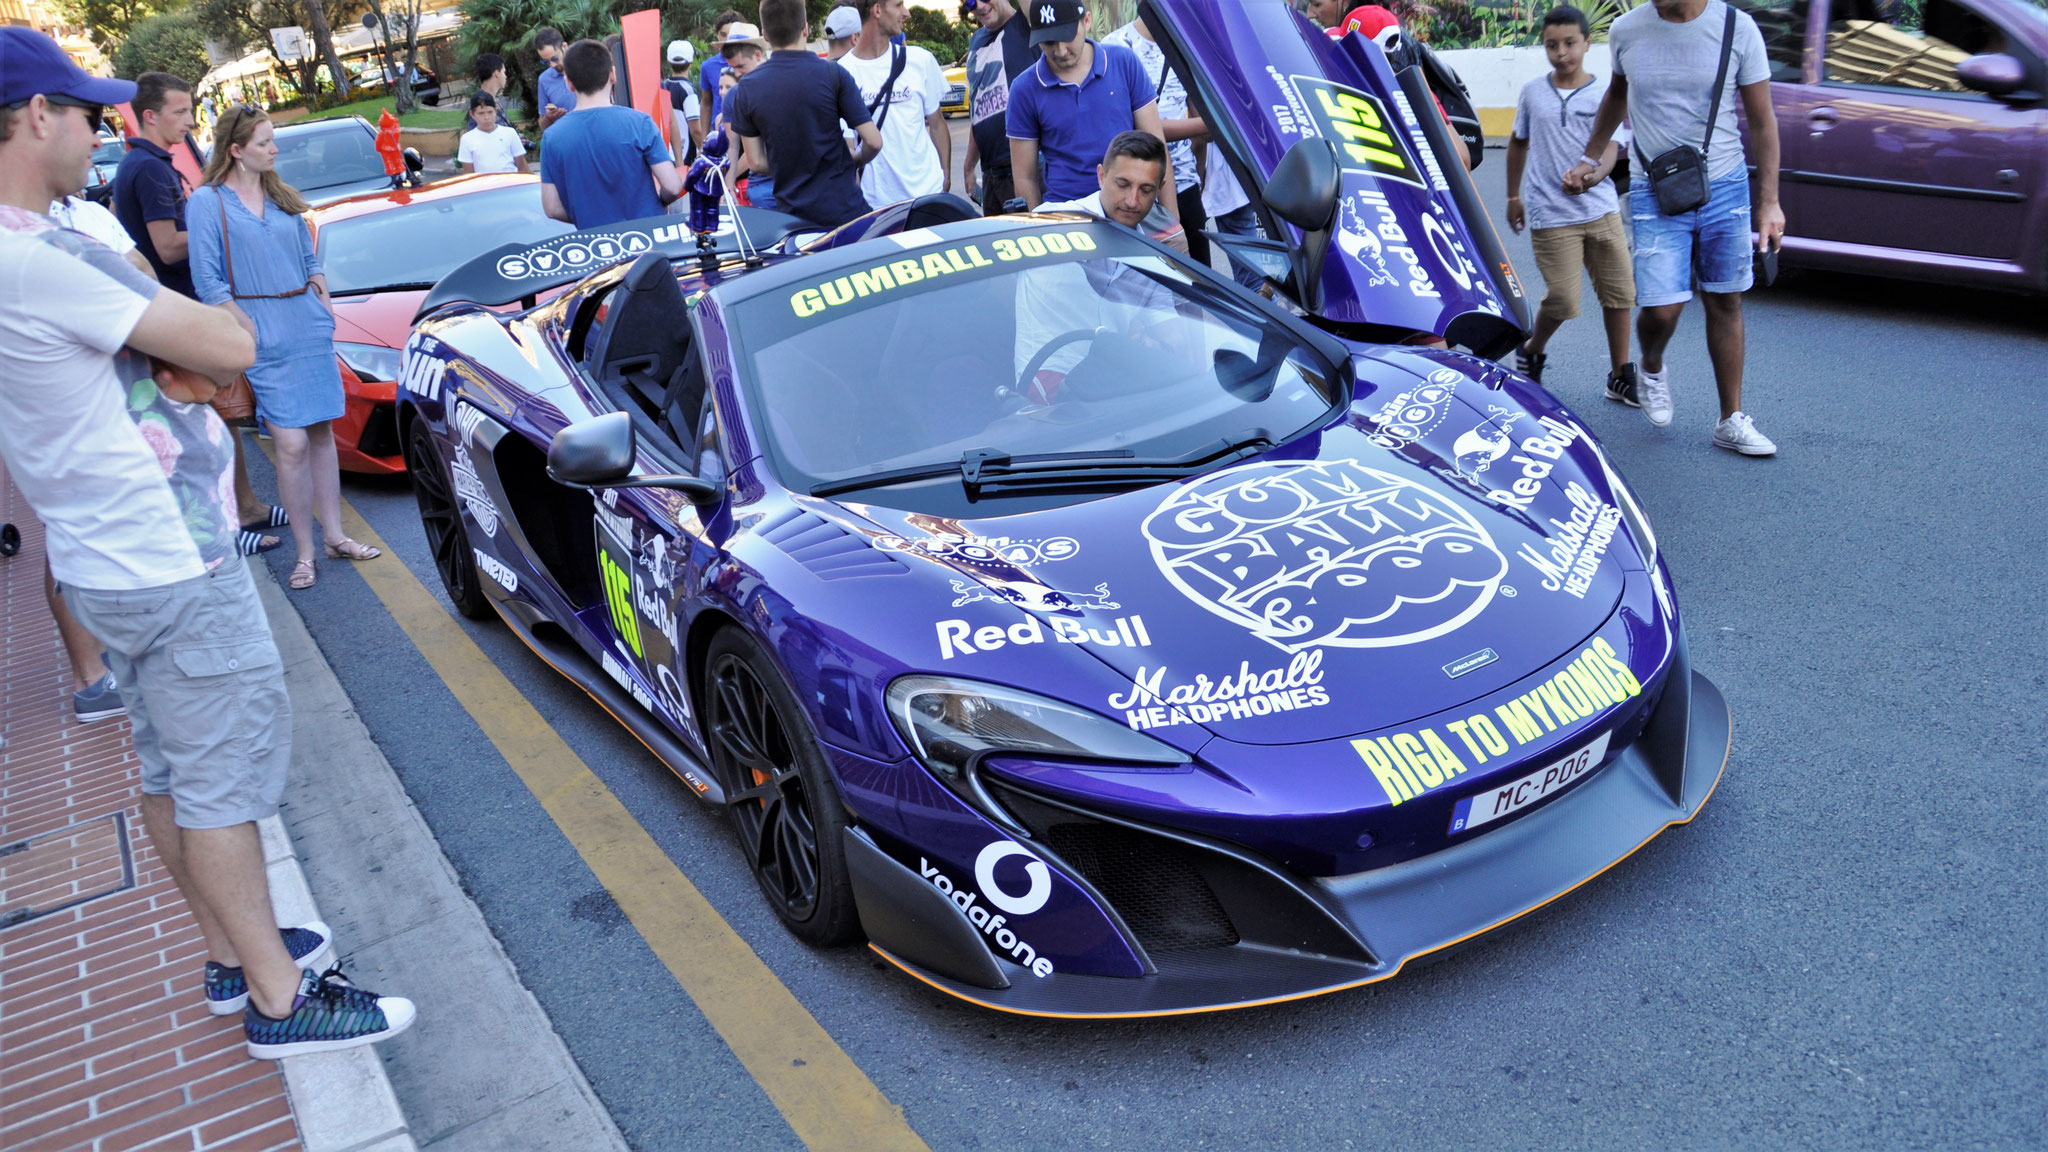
pixel 250 246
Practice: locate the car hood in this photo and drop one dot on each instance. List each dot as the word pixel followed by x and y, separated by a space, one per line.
pixel 328 194
pixel 378 318
pixel 1411 247
pixel 1445 538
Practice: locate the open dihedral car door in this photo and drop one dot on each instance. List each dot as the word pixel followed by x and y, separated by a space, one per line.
pixel 1408 246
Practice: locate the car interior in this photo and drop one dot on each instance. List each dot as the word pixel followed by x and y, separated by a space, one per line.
pixel 894 382
pixel 1878 43
pixel 640 352
pixel 322 159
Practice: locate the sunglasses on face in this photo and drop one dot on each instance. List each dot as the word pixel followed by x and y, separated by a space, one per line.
pixel 94 113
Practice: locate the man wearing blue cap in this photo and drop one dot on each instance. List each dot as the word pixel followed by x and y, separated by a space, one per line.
pixel 104 379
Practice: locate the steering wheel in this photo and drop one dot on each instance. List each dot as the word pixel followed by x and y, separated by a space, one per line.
pixel 1046 350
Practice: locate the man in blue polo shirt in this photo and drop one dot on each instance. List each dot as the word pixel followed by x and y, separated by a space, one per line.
pixel 149 195
pixel 552 89
pixel 1072 103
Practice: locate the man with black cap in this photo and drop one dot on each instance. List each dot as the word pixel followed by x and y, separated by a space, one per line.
pixel 140 532
pixel 1072 103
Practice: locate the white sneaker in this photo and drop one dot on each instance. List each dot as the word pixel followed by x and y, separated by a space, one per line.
pixel 1655 394
pixel 1738 434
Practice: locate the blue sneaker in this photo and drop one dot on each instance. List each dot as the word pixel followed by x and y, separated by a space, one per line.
pixel 328 1015
pixel 227 991
pixel 99 700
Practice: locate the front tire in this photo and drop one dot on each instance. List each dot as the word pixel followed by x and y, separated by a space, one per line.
pixel 780 798
pixel 442 521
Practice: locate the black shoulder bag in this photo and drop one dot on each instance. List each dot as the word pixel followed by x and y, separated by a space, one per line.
pixel 1679 177
pixel 898 55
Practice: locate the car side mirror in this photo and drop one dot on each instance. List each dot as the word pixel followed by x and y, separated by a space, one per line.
pixel 1992 73
pixel 1305 184
pixel 594 454
pixel 1303 191
pixel 599 453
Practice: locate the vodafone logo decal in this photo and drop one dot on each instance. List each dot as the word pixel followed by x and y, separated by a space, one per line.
pixel 1040 877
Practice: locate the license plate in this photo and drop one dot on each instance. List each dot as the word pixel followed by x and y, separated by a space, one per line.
pixel 1512 797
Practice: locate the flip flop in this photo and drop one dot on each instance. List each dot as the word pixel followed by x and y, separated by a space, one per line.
pixel 278 519
pixel 250 543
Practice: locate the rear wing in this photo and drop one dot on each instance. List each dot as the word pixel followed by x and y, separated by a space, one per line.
pixel 519 273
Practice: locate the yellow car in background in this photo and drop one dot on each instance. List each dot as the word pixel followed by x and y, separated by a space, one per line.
pixel 956 90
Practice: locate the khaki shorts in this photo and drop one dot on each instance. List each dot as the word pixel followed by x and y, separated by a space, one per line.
pixel 204 688
pixel 1599 246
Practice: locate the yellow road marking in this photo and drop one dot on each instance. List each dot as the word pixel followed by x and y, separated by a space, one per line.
pixel 824 1095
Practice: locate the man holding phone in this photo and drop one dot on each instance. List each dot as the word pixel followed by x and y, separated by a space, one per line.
pixel 556 97
pixel 1669 56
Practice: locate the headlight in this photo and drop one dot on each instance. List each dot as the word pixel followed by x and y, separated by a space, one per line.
pixel 951 723
pixel 370 361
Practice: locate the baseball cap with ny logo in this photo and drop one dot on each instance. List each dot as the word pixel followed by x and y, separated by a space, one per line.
pixel 1054 19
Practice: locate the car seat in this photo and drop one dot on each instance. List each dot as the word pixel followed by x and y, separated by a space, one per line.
pixel 641 357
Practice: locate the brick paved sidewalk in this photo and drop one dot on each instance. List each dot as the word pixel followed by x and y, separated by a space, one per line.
pixel 105 1042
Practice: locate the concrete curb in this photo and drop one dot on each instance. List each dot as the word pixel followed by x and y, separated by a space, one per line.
pixel 341 1101
pixel 482 1067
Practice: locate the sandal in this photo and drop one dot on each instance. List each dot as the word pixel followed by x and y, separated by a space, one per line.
pixel 249 543
pixel 304 573
pixel 277 518
pixel 347 549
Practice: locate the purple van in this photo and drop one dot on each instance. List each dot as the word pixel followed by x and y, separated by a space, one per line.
pixel 1913 137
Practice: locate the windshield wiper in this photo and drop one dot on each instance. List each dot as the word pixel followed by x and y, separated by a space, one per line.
pixel 376 288
pixel 984 470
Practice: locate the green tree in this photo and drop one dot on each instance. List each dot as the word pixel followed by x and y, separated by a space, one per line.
pixel 938 33
pixel 108 22
pixel 242 26
pixel 167 42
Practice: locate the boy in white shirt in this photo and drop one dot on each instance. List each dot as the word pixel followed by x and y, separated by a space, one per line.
pixel 490 146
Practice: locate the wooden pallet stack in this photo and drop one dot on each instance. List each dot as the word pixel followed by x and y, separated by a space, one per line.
pixel 1873 52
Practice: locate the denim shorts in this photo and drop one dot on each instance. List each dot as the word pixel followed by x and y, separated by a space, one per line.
pixel 205 691
pixel 1711 242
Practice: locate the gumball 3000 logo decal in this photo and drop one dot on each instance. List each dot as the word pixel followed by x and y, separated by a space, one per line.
pixel 1326 555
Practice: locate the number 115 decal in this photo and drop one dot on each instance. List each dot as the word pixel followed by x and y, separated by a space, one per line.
pixel 1367 139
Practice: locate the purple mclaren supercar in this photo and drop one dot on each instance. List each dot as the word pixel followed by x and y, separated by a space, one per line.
pixel 1091 635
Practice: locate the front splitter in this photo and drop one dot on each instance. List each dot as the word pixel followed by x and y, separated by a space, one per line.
pixel 1410 910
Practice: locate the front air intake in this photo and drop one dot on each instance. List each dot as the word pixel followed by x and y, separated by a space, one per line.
pixel 1182 896
pixel 1152 882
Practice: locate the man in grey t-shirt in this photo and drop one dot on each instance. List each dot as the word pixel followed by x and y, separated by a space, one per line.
pixel 1666 54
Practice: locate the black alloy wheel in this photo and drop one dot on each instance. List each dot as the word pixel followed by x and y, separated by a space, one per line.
pixel 779 794
pixel 442 520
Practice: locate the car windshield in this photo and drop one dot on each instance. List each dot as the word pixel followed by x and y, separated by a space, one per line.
pixel 420 243
pixel 326 157
pixel 109 152
pixel 1073 339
